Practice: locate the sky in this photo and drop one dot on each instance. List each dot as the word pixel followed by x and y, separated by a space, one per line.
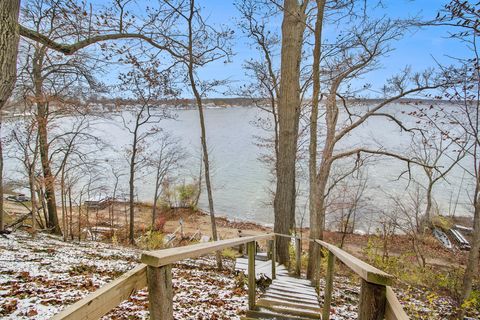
pixel 419 49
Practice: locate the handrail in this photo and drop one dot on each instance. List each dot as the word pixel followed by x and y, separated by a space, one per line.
pixel 100 302
pixel 363 269
pixel 394 310
pixel 156 273
pixel 164 257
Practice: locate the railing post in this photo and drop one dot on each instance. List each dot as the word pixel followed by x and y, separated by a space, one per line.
pixel 298 251
pixel 251 275
pixel 274 258
pixel 327 298
pixel 373 300
pixel 160 294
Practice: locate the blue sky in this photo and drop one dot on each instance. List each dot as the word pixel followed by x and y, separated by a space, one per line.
pixel 418 49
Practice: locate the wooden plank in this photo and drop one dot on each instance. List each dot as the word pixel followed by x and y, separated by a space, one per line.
pixel 163 257
pixel 251 275
pixel 264 314
pixel 328 286
pixel 270 295
pixel 269 302
pixel 98 303
pixel 274 258
pixel 298 312
pixel 298 256
pixel 394 310
pixel 294 295
pixel 160 293
pixel 300 294
pixel 364 270
pixel 372 301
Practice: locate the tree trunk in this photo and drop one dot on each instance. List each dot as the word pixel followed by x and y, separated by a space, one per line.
pixel 312 163
pixel 42 122
pixel 63 201
pixel 9 36
pixel 33 195
pixel 293 27
pixel 131 184
pixel 155 197
pixel 317 225
pixel 203 138
pixel 70 205
pixel 472 263
pixel 427 219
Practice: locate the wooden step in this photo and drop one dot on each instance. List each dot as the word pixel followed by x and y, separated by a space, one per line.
pixel 290 298
pixel 292 311
pixel 289 295
pixel 265 314
pixel 279 302
pixel 294 290
pixel 293 280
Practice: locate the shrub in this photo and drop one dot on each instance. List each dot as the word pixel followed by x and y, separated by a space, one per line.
pixel 187 194
pixel 151 240
pixel 229 253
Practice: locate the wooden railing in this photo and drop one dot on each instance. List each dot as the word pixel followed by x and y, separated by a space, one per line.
pixel 155 272
pixel 377 299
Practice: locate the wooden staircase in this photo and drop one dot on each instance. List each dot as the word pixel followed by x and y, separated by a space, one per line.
pixel 287 297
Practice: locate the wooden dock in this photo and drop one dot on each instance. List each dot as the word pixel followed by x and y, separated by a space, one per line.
pixel 287 297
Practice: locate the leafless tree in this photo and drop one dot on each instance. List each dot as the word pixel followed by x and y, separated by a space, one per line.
pixel 289 104
pixel 464 17
pixel 24 147
pixel 358 54
pixel 71 29
pixel 407 214
pixel 439 156
pixel 167 158
pixel 193 44
pixel 148 86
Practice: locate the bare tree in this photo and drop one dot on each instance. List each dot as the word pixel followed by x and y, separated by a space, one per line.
pixel 358 54
pixel 193 44
pixel 25 148
pixel 289 103
pixel 465 116
pixel 439 156
pixel 148 87
pixel 166 159
pixel 264 89
pixel 77 30
pixel 407 214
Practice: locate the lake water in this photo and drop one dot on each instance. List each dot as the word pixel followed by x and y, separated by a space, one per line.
pixel 241 181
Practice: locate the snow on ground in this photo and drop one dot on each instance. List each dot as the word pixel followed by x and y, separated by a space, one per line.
pixel 41 276
pixel 419 304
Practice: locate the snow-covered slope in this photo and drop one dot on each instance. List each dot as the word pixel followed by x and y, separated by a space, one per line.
pixel 40 276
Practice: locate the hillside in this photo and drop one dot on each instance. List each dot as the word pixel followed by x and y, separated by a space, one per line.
pixel 39 277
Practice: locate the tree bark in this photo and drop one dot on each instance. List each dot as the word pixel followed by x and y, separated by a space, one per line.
pixel 312 163
pixel 293 28
pixel 43 144
pixel 472 263
pixel 131 184
pixel 9 36
pixel 317 225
